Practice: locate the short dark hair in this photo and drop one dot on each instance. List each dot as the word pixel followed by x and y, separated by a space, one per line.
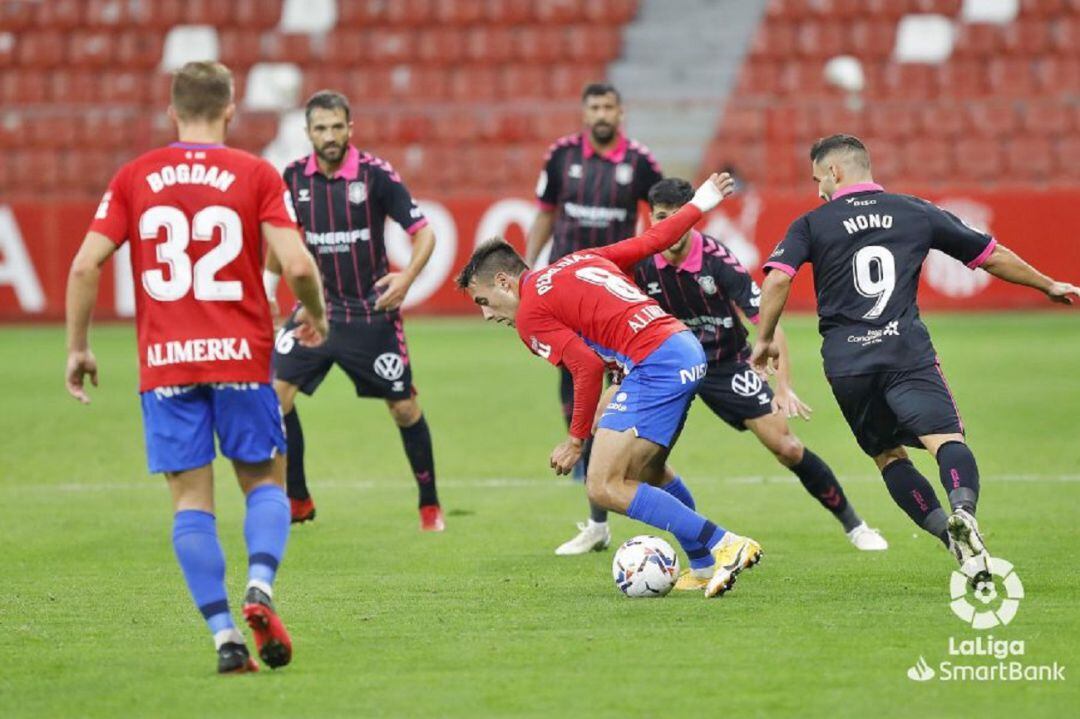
pixel 491 257
pixel 327 100
pixel 852 144
pixel 595 89
pixel 672 191
pixel 201 91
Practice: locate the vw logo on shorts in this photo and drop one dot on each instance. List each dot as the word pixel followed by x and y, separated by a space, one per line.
pixel 746 383
pixel 389 366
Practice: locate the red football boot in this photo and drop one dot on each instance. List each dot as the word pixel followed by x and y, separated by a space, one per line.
pixel 271 638
pixel 301 510
pixel 431 519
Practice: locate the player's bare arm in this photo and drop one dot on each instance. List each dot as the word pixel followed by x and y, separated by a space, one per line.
pixel 785 401
pixel 395 285
pixel 774 294
pixel 1007 265
pixel 539 233
pixel 587 369
pixel 302 276
pixel 82 290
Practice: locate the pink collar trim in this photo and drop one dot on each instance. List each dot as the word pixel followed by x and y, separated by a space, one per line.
pixel 693 261
pixel 615 154
pixel 859 187
pixel 349 170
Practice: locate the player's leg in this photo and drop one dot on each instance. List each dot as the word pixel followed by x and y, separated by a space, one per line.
pixel 864 404
pixel 297 368
pixel 247 419
pixel 594 534
pixel 774 433
pixel 416 438
pixel 180 443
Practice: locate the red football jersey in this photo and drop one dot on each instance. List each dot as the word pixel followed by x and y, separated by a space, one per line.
pixel 193 213
pixel 587 297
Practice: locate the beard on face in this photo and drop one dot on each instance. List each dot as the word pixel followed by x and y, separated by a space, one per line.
pixel 602 132
pixel 330 152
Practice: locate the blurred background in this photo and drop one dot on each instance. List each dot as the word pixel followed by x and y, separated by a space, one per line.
pixel 974 104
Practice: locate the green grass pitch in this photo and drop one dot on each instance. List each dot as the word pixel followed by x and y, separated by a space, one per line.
pixel 484 620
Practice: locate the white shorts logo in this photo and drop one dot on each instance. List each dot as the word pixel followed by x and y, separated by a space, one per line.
pixel 746 384
pixel 389 366
pixel 992 612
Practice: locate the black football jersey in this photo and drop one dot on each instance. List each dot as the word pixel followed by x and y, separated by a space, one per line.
pixel 867 248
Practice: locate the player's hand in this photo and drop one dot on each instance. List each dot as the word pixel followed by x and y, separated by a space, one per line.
pixel 310 332
pixel 566 455
pixel 1063 293
pixel 394 286
pixel 713 191
pixel 787 403
pixel 80 364
pixel 765 358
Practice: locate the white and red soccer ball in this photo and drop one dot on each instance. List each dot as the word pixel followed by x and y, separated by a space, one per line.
pixel 645 566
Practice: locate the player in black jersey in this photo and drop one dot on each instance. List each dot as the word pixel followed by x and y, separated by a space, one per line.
pixel 588 194
pixel 699 281
pixel 342 198
pixel 867 248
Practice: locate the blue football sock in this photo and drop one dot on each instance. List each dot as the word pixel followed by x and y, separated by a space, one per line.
pixel 699 555
pixel 659 509
pixel 266 529
pixel 199 553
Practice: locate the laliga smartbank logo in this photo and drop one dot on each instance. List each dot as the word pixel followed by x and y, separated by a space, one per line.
pixel 986 593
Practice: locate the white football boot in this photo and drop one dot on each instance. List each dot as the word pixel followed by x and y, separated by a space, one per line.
pixel 867 539
pixel 966 543
pixel 591 537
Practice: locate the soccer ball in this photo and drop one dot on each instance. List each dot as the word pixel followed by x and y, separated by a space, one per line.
pixel 645 566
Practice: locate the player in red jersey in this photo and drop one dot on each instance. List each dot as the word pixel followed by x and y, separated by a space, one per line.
pixel 200 216
pixel 584 313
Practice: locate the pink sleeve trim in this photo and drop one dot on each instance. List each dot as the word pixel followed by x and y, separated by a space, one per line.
pixel 786 269
pixel 754 320
pixel 984 254
pixel 545 206
pixel 416 226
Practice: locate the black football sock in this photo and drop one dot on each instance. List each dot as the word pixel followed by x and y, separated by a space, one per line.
pixel 959 475
pixel 566 395
pixel 913 493
pixel 295 479
pixel 596 513
pixel 821 483
pixel 417 440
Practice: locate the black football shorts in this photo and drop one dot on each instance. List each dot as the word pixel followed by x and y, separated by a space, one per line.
pixel 735 393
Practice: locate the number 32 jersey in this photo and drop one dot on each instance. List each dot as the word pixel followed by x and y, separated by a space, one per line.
pixel 867 248
pixel 192 214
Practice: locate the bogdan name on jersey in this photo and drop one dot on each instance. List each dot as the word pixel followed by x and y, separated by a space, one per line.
pixel 208 349
pixel 543 282
pixel 858 223
pixel 591 216
pixel 184 174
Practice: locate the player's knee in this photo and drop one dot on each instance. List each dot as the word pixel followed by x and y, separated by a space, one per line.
pixel 405 412
pixel 789 450
pixel 599 491
pixel 889 456
pixel 286 394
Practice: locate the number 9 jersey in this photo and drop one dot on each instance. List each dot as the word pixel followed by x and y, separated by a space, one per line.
pixel 193 215
pixel 867 248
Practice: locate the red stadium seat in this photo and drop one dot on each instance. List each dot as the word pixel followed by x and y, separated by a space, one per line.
pixel 928 159
pixel 282 47
pixel 325 76
pixel 760 77
pixel 610 12
pixel 1029 159
pixel 489 44
pixel 1067 156
pixel 1057 76
pixel 978 40
pixel 556 121
pixel 816 39
pixel 892 122
pixel 869 37
pixel 126 87
pixel 912 82
pixel 592 43
pixel 1047 119
pixel 508 12
pixel 558 12
pixel 541 45
pixel 942 120
pixel 523 81
pixel 426 84
pixel 240 47
pixel 258 128
pixel 474 83
pixel 41 49
pixel 17 16
pixel 948 8
pixel 993 119
pixel 567 81
pixel 82 87
pixel 412 13
pixel 743 123
pixel 1011 77
pixel 1041 8
pixel 1028 36
pixel 804 79
pixel 361 13
pixel 208 12
pixel 962 79
pixel 61 14
pixel 94 49
pixel 443 46
pixel 458 12
pixel 1065 36
pixel 774 40
pixel 139 49
pixel 888 159
pixel 978 160
pixel 259 14
pixel 160 15
pixel 390 46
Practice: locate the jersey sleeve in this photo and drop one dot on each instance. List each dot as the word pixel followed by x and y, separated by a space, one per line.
pixel 111 217
pixel 793 250
pixel 275 200
pixel 547 185
pixel 648 173
pixel 397 201
pixel 955 238
pixel 740 286
pixel 657 238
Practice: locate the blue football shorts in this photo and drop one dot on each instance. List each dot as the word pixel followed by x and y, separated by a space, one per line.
pixel 180 424
pixel 655 396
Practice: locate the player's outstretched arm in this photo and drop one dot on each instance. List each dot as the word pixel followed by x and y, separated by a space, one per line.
pixel 667 232
pixel 1007 265
pixel 539 233
pixel 82 289
pixel 302 275
pixel 395 285
pixel 774 294
pixel 587 370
